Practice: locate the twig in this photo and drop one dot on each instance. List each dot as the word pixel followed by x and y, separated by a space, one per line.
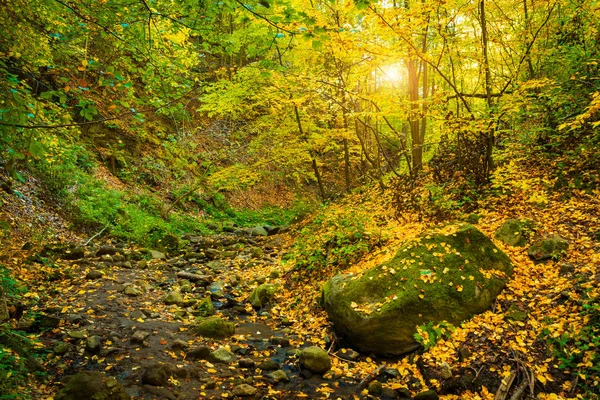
pixel 370 377
pixel 96 235
pixel 505 386
pixel 521 389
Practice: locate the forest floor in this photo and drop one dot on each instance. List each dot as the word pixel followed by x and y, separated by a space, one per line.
pixel 106 311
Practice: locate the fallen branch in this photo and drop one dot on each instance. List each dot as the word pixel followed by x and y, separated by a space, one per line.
pixel 370 377
pixel 505 386
pixel 520 390
pixel 95 236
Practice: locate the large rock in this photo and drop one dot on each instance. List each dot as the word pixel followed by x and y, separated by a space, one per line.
pixel 90 385
pixel 447 275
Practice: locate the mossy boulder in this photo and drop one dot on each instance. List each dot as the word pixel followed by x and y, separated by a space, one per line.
pixel 215 328
pixel 315 359
pixel 447 275
pixel 205 307
pixel 552 247
pixel 263 295
pixel 89 385
pixel 514 232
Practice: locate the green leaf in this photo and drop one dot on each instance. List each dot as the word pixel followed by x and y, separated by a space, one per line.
pixel 36 149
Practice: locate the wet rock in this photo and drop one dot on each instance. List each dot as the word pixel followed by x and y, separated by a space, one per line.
pixel 93 344
pixel 347 354
pixel 271 230
pixel 133 291
pixel 90 385
pixel 388 394
pixel 211 254
pixel 137 314
pixel 205 307
pixel 315 359
pixel 139 337
pixel 246 363
pixel 427 395
pixel 77 334
pixel 156 374
pixel 215 328
pixel 94 274
pixel 404 393
pixel 160 392
pixel 306 374
pixel 280 341
pixel 199 353
pixel 179 344
pixel 173 297
pixel 279 376
pixel 61 348
pixel 268 365
pixel 222 355
pixel 216 289
pixel 262 295
pixel 244 390
pixel 48 321
pixel 545 249
pixel 375 388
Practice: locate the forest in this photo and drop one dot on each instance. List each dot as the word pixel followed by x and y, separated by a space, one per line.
pixel 282 199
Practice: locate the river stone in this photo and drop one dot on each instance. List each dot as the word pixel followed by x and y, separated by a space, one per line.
pixel 262 295
pixel 215 328
pixel 427 395
pixel 205 307
pixel 552 247
pixel 93 344
pixel 259 231
pixel 90 385
pixel 514 232
pixel 156 375
pixel 244 390
pixel 447 275
pixel 222 355
pixel 173 297
pixel 315 359
pixel 279 376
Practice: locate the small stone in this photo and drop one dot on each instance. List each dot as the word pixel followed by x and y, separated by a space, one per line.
pixel 246 363
pixel 552 247
pixel 77 334
pixel 244 390
pixel 132 291
pixel 279 376
pixel 388 394
pixel 263 295
pixel 61 348
pixel 106 250
pixel 93 344
pixel 93 275
pixel 392 372
pixel 375 388
pixel 279 341
pixel 347 354
pixel 222 355
pixel 404 393
pixel 199 353
pixel 156 375
pixel 137 314
pixel 306 374
pixel 268 365
pixel 157 255
pixel 139 337
pixel 48 321
pixel 315 359
pixel 173 298
pixel 427 395
pixel 179 344
pixel 446 370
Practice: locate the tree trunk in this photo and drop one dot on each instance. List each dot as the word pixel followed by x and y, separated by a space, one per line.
pixel 3 308
pixel 489 160
pixel 312 156
pixel 415 133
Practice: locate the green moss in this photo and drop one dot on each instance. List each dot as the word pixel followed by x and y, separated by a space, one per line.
pixel 436 277
pixel 215 328
pixel 262 295
pixel 515 232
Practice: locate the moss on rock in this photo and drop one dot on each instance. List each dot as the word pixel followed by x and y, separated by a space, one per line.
pixel 215 328
pixel 514 232
pixel 441 276
pixel 89 385
pixel 262 295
